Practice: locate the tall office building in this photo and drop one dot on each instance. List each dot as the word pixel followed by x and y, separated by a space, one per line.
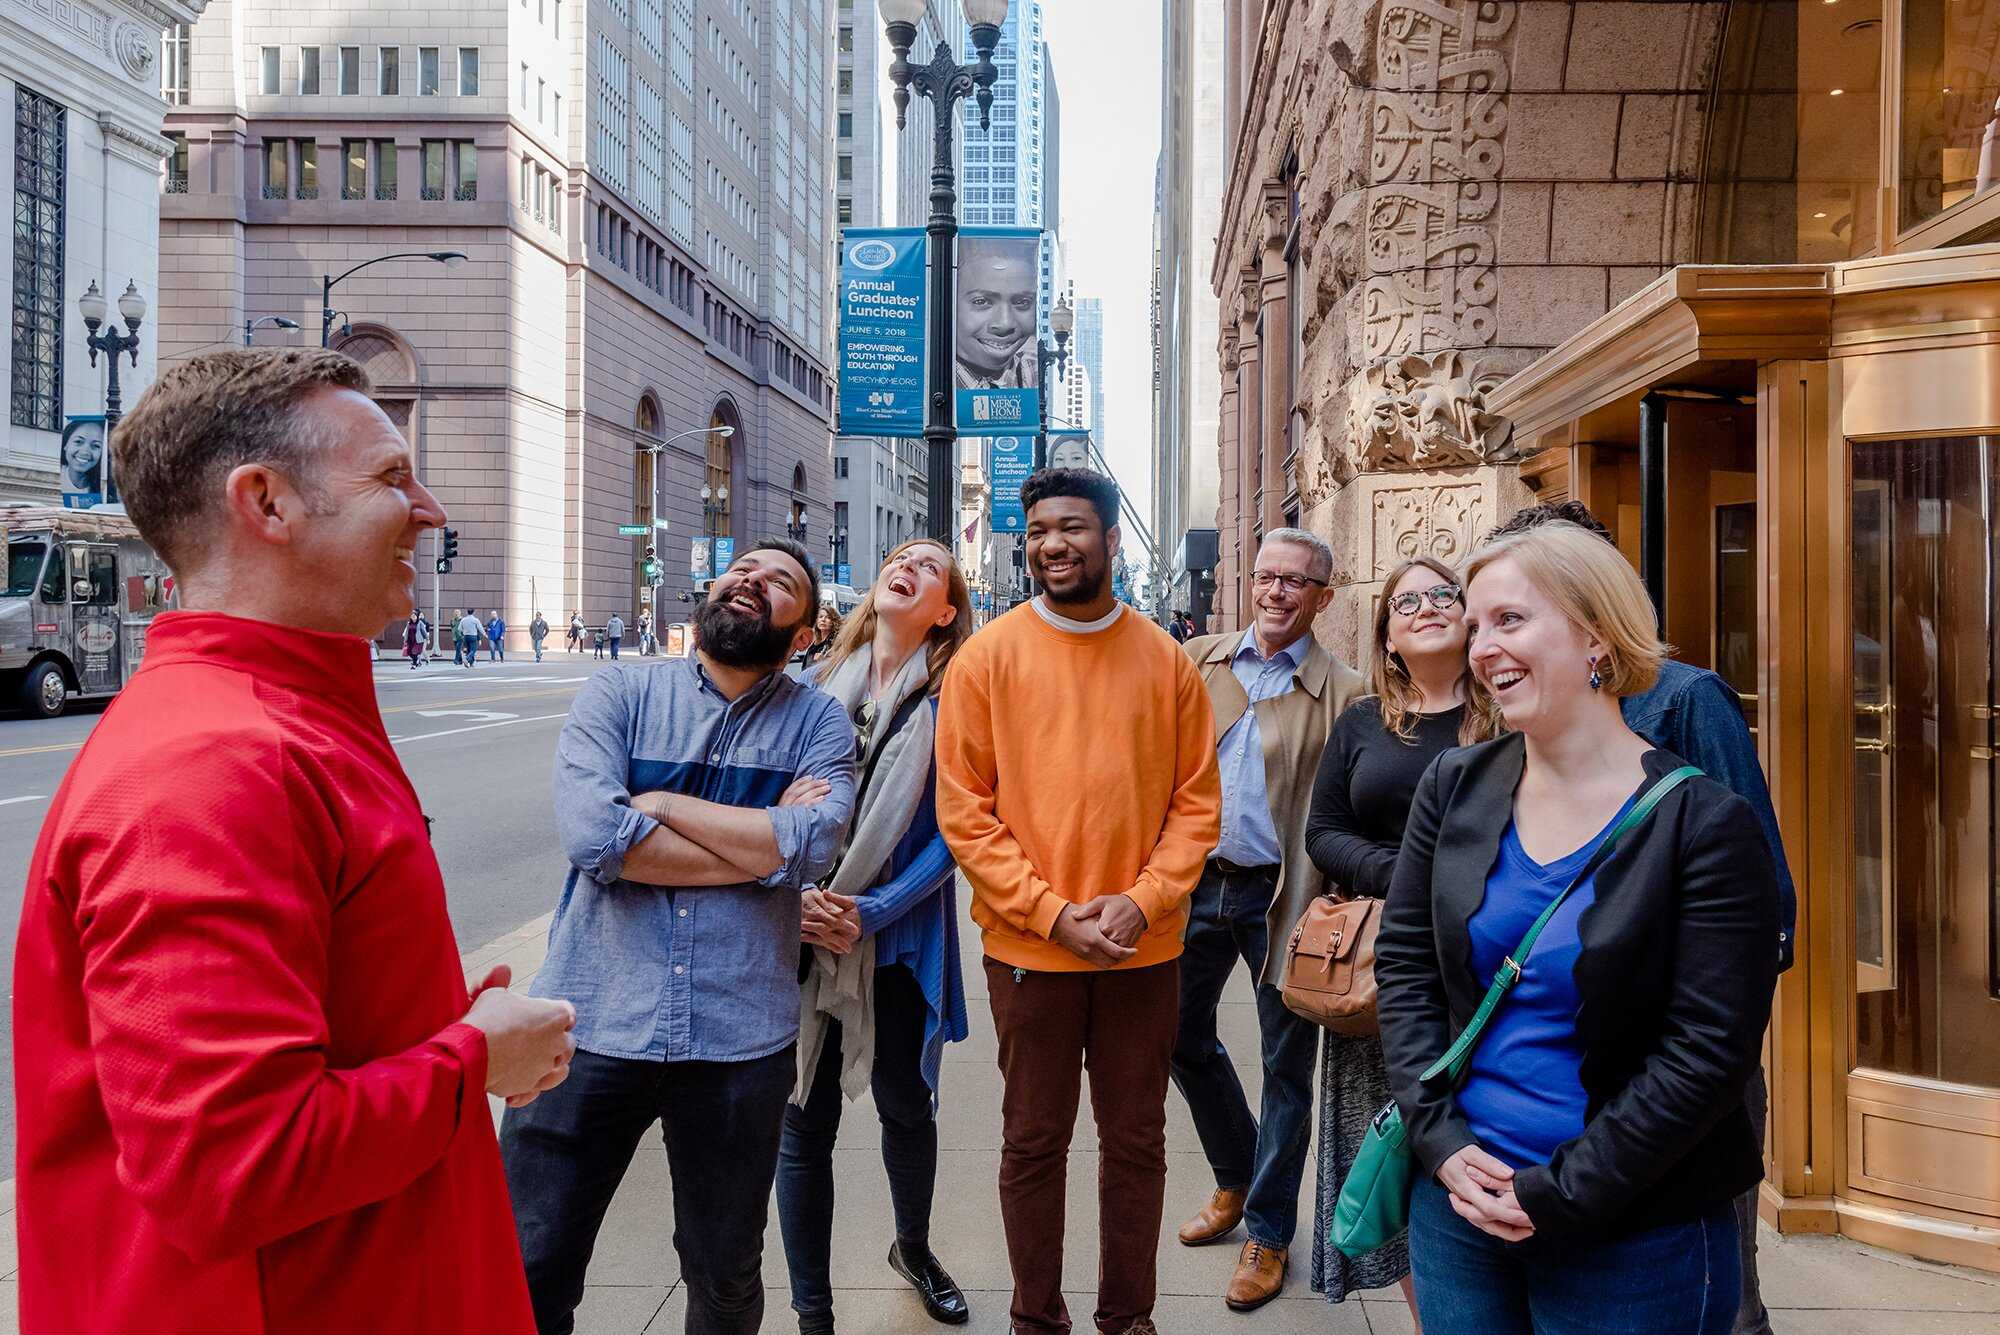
pixel 881 179
pixel 641 192
pixel 1088 353
pixel 1193 173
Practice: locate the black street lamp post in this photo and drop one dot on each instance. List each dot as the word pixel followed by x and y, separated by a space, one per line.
pixel 132 309
pixel 451 259
pixel 1061 320
pixel 944 82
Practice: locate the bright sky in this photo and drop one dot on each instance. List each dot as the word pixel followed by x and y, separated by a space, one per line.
pixel 1107 62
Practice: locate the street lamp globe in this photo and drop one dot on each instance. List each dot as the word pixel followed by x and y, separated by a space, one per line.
pixel 91 305
pixel 707 495
pixel 1063 318
pixel 722 494
pixel 725 431
pixel 132 306
pixel 979 12
pixel 450 259
pixel 902 11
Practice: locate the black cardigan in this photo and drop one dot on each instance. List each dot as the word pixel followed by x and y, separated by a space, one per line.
pixel 1675 976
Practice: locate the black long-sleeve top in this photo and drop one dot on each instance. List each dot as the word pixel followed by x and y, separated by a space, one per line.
pixel 1361 797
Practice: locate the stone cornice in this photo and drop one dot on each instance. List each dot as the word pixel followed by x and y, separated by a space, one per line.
pixel 1239 188
pixel 142 148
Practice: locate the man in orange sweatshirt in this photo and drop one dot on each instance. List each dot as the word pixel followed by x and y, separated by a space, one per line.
pixel 1077 788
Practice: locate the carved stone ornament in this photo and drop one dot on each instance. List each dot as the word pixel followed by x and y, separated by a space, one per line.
pixel 1442 522
pixel 1425 412
pixel 1434 174
pixel 1277 220
pixel 136 49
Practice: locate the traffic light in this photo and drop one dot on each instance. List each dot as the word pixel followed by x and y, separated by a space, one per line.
pixel 450 550
pixel 652 566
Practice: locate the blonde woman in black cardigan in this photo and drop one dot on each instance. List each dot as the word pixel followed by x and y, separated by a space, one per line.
pixel 1581 1176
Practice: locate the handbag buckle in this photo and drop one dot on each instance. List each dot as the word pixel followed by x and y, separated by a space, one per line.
pixel 1513 970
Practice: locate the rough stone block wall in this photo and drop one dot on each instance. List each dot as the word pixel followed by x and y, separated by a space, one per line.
pixel 1476 181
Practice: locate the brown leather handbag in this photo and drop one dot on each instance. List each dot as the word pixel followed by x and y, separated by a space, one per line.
pixel 1330 965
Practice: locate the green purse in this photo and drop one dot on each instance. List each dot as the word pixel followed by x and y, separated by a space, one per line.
pixel 1374 1203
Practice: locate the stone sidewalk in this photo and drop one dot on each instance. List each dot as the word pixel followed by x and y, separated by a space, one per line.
pixel 1814 1286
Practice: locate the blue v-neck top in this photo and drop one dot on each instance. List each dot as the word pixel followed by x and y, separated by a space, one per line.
pixel 1523 1095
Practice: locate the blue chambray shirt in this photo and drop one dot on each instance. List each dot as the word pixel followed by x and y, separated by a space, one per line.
pixel 1249 838
pixel 691 973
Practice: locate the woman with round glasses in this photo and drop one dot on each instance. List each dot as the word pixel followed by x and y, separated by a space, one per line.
pixel 1421 701
pixel 881 989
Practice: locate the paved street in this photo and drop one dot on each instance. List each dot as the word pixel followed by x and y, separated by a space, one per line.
pixel 476 741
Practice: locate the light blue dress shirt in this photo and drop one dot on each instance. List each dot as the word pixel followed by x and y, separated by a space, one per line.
pixel 1249 838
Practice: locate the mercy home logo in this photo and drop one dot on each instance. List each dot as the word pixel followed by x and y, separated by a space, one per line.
pixel 871 255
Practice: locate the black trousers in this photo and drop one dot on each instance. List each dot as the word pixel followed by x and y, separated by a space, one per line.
pixel 909 1141
pixel 568 1150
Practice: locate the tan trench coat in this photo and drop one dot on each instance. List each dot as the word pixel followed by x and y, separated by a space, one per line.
pixel 1293 728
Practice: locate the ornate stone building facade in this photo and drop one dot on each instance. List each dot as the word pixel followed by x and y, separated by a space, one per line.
pixel 1424 195
pixel 1727 272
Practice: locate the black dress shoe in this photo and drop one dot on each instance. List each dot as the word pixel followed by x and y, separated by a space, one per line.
pixel 941 1297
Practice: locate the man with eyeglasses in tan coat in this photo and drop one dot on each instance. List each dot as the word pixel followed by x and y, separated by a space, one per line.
pixel 1275 692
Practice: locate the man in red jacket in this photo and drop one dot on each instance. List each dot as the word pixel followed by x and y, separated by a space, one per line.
pixel 251 1083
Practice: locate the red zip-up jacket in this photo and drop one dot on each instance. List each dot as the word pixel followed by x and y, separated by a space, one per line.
pixel 245 1100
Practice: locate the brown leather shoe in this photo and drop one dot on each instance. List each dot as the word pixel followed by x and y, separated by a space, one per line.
pixel 1216 1220
pixel 1259 1277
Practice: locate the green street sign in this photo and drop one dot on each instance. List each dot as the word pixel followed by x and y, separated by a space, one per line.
pixel 634 530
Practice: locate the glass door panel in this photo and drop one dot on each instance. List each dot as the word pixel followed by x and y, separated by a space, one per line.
pixel 1924 850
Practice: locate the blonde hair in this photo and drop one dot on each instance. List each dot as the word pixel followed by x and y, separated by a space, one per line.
pixel 943 641
pixel 1389 681
pixel 1597 589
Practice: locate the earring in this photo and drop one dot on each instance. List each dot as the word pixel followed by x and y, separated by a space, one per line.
pixel 1596 677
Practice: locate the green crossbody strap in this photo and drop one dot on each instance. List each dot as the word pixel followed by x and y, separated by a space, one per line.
pixel 1459 1056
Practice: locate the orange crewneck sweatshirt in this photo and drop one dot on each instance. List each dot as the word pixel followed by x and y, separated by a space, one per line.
pixel 1072 766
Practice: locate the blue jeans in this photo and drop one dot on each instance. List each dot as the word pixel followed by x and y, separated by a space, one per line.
pixel 1679 1279
pixel 909 1142
pixel 614 645
pixel 1266 1154
pixel 538 648
pixel 568 1150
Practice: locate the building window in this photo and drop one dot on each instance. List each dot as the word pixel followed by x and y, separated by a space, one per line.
pixel 390 83
pixel 528 185
pixel 308 71
pixel 524 85
pixel 559 121
pixel 429 76
pixel 308 169
pixel 385 169
pixel 177 164
pixel 1950 115
pixel 354 169
pixel 174 81
pixel 350 70
pixel 541 99
pixel 847 81
pixel 839 466
pixel 41 128
pixel 277 168
pixel 268 64
pixel 468 71
pixel 845 212
pixel 433 185
pixel 846 125
pixel 468 171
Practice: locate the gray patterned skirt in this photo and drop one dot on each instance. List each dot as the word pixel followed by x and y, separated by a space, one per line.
pixel 1353 1086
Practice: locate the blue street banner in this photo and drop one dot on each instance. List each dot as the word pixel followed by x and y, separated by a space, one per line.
pixel 82 460
pixel 1013 458
pixel 995 339
pixel 1072 449
pixel 882 331
pixel 846 574
pixel 827 573
pixel 725 554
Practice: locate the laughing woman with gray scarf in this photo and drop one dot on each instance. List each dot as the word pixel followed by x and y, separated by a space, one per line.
pixel 881 989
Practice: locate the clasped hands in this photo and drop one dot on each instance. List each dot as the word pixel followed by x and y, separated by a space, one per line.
pixel 1104 931
pixel 1482 1192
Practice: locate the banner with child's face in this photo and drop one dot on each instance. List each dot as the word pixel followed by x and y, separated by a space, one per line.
pixel 994 330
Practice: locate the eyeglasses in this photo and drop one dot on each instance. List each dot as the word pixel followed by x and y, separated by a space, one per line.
pixel 1441 596
pixel 1264 579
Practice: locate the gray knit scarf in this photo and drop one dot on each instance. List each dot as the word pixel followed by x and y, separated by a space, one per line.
pixel 842 987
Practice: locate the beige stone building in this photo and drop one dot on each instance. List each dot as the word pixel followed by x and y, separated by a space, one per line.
pixel 1725 272
pixel 640 189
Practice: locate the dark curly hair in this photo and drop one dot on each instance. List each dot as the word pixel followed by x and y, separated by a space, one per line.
pixel 1099 490
pixel 1534 516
